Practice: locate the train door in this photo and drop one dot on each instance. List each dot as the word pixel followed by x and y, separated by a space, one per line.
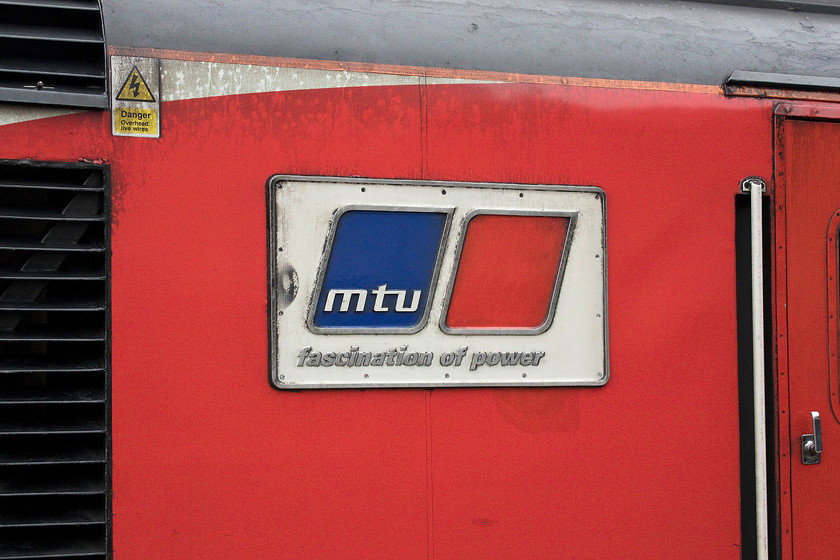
pixel 807 232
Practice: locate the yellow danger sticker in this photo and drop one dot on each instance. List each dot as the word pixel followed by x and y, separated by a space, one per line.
pixel 135 121
pixel 135 88
pixel 135 109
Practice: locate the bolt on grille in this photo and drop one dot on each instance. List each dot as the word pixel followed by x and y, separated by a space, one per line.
pixel 54 345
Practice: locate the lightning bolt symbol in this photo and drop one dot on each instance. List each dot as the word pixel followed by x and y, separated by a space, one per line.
pixel 134 85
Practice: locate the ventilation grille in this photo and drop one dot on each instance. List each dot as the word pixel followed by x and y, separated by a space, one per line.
pixel 53 361
pixel 52 52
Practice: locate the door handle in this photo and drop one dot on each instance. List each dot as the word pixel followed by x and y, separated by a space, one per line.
pixel 812 446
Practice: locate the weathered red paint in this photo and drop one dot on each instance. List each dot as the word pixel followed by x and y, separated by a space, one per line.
pixel 832 260
pixel 210 462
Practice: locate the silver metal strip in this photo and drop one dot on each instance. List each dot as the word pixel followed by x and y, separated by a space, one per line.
pixel 755 186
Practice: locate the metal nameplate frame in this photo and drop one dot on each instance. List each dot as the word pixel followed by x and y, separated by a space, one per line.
pixel 569 348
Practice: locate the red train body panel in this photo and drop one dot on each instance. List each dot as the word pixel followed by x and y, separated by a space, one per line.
pixel 208 460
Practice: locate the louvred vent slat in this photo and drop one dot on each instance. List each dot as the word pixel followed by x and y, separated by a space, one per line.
pixel 54 348
pixel 53 52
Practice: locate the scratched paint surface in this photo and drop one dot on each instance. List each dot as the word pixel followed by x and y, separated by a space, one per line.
pixel 210 462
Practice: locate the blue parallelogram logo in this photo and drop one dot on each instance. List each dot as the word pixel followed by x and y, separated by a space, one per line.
pixel 379 270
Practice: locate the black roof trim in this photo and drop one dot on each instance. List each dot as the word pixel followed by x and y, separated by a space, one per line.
pixel 782 81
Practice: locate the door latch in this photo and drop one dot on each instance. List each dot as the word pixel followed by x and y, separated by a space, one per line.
pixel 812 446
